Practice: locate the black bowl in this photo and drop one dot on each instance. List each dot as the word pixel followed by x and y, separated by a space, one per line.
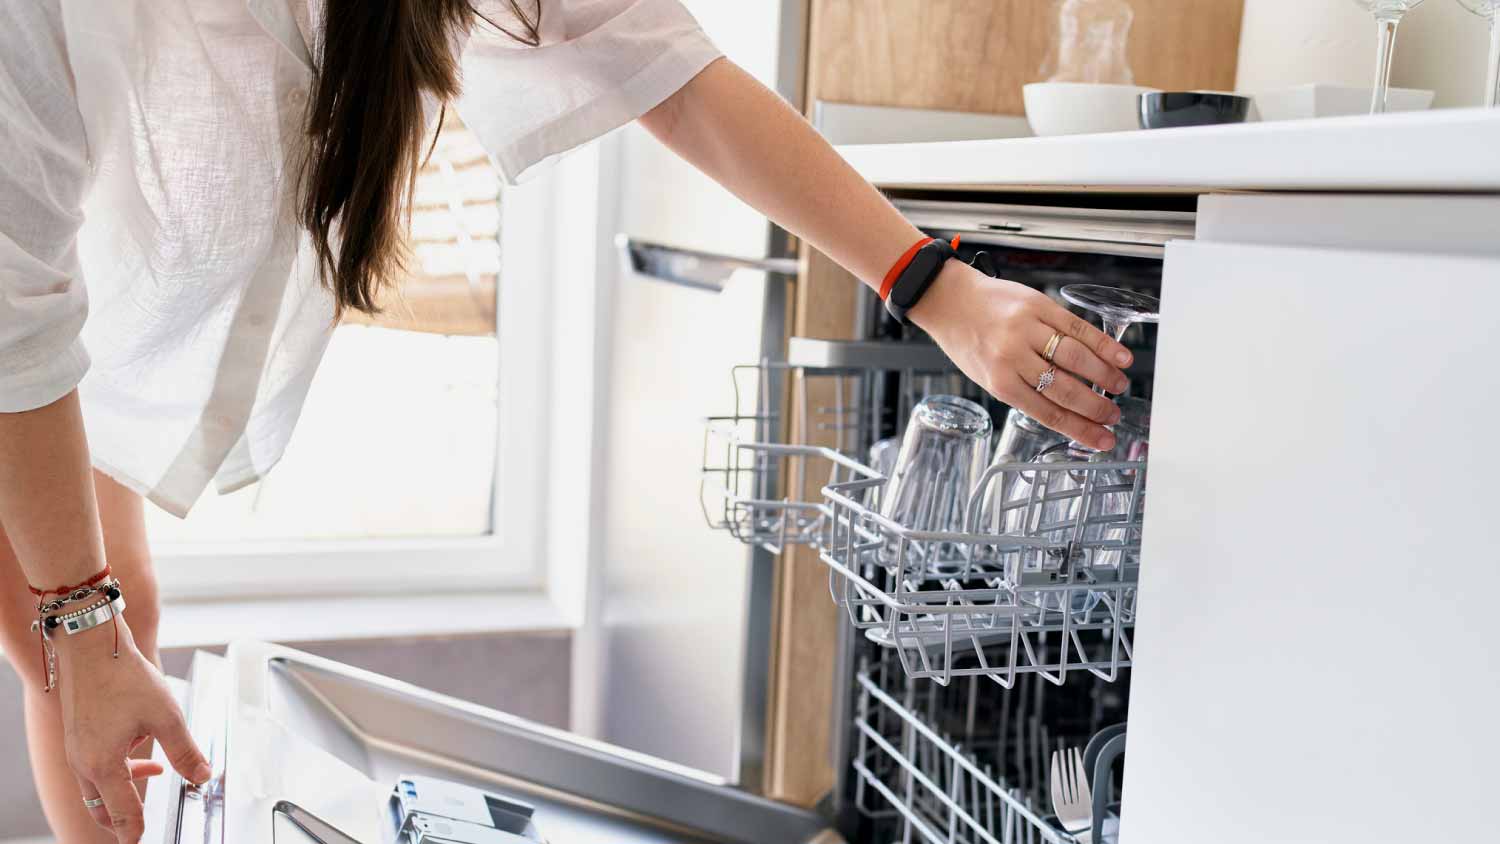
pixel 1170 109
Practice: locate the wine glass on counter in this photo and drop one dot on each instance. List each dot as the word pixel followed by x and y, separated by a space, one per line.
pixel 1388 14
pixel 1490 11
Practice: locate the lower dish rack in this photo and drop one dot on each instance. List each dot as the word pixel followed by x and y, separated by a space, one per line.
pixel 914 781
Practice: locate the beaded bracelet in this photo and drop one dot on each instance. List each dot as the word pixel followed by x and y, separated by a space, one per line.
pixel 76 595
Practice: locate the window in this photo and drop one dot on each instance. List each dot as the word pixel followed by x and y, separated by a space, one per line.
pixel 390 475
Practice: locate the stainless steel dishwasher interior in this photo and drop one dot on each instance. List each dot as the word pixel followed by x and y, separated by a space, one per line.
pixel 584 792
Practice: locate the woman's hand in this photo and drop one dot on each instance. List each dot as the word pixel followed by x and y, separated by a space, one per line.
pixel 997 331
pixel 109 707
pixel 749 140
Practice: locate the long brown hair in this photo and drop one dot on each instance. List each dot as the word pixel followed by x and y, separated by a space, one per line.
pixel 366 124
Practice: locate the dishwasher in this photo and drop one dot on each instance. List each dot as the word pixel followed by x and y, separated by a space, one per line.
pixel 955 685
pixel 305 749
pixel 952 691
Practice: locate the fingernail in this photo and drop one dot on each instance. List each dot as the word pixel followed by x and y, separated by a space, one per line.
pixel 202 773
pixel 1121 386
pixel 1106 442
pixel 1114 416
pixel 1123 358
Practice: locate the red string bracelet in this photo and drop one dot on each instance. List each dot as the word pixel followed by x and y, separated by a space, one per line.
pixel 63 590
pixel 902 263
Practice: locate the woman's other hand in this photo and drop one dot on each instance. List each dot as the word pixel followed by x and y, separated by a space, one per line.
pixel 997 332
pixel 109 707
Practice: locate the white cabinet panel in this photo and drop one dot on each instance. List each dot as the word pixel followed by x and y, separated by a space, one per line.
pixel 1316 652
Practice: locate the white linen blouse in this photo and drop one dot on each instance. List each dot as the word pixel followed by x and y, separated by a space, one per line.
pixel 147 215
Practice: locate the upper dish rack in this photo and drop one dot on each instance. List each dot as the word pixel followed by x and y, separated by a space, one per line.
pixel 764 491
pixel 1049 596
pixel 1051 592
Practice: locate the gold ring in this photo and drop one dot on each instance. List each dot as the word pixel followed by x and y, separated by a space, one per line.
pixel 1052 346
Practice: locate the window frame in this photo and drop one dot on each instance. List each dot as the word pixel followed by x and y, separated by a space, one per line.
pixel 512 557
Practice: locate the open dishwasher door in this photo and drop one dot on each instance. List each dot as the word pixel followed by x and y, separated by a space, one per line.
pixel 305 749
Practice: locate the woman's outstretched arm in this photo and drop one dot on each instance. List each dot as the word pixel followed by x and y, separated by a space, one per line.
pixel 748 139
pixel 52 520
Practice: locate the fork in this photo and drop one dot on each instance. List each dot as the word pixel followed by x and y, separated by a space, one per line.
pixel 1071 800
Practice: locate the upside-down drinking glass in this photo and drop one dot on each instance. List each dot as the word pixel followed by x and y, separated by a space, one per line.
pixel 1490 11
pixel 943 453
pixel 1133 431
pixel 1022 440
pixel 883 455
pixel 1388 15
pixel 1054 520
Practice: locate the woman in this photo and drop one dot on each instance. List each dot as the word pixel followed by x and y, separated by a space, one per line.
pixel 223 177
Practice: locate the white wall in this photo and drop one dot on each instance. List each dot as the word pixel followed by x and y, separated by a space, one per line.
pixel 1439 46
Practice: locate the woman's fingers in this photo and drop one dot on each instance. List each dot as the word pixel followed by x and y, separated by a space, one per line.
pixel 1078 359
pixel 177 742
pixel 123 802
pixel 1100 344
pixel 87 792
pixel 141 769
pixel 1048 412
pixel 1069 392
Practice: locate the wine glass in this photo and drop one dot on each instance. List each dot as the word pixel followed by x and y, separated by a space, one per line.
pixel 1119 309
pixel 1489 10
pixel 1387 17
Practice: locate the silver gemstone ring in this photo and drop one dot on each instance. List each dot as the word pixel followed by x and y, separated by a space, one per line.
pixel 93 802
pixel 1045 380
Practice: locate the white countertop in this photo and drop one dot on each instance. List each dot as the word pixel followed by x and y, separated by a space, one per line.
pixel 1448 150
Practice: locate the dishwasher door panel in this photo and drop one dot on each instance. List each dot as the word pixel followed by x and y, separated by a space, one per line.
pixel 280 725
pixel 1314 650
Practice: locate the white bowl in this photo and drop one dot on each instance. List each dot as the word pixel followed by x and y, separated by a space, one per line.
pixel 1305 101
pixel 1076 108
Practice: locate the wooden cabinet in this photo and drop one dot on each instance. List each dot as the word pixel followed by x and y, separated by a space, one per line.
pixel 974 55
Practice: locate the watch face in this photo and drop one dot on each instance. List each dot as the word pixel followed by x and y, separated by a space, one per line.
pixel 913 282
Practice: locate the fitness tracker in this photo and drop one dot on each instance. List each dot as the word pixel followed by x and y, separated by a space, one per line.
pixel 913 273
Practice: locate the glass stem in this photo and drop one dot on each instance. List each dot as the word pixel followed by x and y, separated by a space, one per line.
pixel 1385 48
pixel 1492 80
pixel 1116 330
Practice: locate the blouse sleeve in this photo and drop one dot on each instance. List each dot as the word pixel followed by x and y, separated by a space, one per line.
pixel 600 64
pixel 44 174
